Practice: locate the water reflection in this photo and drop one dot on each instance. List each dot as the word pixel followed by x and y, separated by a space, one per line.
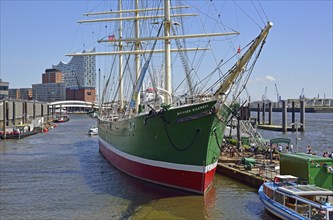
pixel 62 175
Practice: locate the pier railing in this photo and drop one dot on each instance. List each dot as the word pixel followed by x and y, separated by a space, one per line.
pixel 246 127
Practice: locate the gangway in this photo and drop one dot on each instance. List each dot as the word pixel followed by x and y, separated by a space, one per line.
pixel 246 127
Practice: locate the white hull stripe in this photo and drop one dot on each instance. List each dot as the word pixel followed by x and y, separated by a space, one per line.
pixel 161 164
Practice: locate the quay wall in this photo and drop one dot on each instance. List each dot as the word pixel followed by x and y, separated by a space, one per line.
pixel 15 112
pixel 242 176
pixel 307 109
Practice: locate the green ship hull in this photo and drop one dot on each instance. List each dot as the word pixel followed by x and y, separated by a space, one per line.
pixel 178 147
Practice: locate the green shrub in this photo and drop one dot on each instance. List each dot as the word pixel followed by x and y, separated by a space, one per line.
pixel 233 142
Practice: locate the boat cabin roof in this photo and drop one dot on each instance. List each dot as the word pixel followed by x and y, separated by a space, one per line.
pixel 304 190
pixel 281 179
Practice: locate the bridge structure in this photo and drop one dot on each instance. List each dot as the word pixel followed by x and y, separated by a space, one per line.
pixel 73 105
pixel 15 112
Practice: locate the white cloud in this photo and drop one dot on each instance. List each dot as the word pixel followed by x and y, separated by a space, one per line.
pixel 264 79
pixel 269 78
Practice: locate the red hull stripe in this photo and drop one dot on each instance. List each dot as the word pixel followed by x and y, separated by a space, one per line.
pixel 197 182
pixel 174 166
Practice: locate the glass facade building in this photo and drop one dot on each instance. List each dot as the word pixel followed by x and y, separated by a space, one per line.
pixel 49 92
pixel 79 72
pixel 3 89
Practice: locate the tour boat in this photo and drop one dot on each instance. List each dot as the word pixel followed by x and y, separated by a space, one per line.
pixel 286 199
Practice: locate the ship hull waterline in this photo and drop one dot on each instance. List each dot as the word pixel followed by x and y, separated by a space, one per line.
pixel 178 148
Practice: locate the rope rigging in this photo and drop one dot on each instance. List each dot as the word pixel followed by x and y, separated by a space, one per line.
pixel 143 72
pixel 204 86
pixel 184 62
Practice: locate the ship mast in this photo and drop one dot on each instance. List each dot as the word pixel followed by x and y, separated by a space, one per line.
pixel 120 48
pixel 137 56
pixel 136 40
pixel 167 55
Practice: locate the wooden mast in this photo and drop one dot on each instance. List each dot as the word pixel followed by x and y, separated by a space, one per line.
pixel 137 56
pixel 120 48
pixel 167 55
pixel 238 68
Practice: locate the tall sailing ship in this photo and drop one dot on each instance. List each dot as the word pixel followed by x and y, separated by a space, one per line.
pixel 149 127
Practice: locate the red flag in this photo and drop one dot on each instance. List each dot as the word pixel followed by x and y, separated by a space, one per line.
pixel 238 50
pixel 111 37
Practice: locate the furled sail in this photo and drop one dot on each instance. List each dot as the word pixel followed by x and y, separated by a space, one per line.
pixel 237 69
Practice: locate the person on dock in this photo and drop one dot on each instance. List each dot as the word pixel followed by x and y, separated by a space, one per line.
pixel 331 155
pixel 280 148
pixel 291 148
pixel 308 148
pixel 325 154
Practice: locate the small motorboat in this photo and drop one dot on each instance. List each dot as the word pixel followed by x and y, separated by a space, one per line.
pixel 288 200
pixel 61 118
pixel 93 130
pixel 18 132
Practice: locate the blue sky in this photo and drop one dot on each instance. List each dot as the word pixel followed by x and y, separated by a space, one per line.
pixel 37 34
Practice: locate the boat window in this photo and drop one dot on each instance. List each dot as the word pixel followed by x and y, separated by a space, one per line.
pixel 323 200
pixel 290 202
pixel 269 192
pixel 303 209
pixel 279 198
pixel 318 213
pixel 310 197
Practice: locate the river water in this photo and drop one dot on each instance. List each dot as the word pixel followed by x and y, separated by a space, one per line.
pixel 61 175
pixel 318 131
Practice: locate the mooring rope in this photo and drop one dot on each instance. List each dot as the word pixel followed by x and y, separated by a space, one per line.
pixel 198 130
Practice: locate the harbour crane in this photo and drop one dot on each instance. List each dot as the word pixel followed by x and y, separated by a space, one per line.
pixel 264 97
pixel 278 97
pixel 302 94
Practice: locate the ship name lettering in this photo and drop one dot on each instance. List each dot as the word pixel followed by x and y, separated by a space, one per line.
pixel 200 108
pixel 184 112
pixel 192 110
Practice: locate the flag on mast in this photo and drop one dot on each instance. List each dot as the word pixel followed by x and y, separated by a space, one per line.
pixel 111 37
pixel 239 49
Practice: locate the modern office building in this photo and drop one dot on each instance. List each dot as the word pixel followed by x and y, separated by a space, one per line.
pixel 21 93
pixel 52 88
pixel 75 80
pixel 3 89
pixel 49 92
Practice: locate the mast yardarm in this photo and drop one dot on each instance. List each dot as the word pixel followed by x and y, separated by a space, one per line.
pixel 241 63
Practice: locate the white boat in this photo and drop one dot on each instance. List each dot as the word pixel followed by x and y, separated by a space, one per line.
pixel 288 200
pixel 93 130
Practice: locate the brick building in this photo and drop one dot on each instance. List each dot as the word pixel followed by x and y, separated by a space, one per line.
pixel 87 94
pixel 52 76
pixel 20 93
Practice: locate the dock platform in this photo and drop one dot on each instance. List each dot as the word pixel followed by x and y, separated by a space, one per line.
pixel 275 128
pixel 241 175
pixel 254 177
